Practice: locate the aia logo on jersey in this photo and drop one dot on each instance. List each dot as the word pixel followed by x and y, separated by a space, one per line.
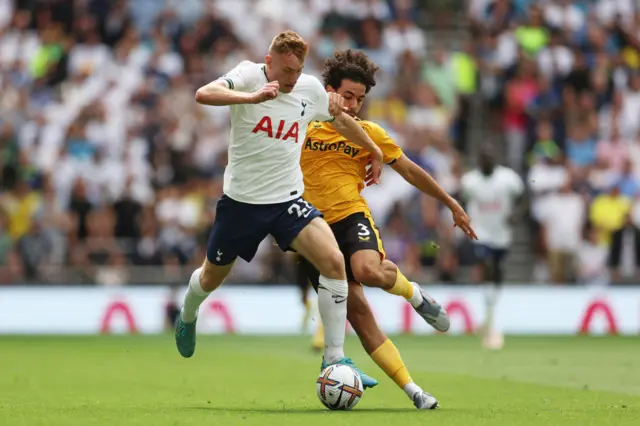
pixel 265 125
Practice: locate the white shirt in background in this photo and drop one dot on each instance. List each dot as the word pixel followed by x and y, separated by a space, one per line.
pixel 563 217
pixel 507 50
pixel 86 58
pixel 543 179
pixel 607 10
pixel 6 12
pixel 490 204
pixel 18 46
pixel 555 61
pixel 591 264
pixel 628 121
pixel 569 16
pixel 401 40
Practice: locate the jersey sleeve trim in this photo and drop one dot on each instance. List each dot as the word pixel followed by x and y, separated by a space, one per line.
pixel 331 120
pixel 229 82
pixel 390 163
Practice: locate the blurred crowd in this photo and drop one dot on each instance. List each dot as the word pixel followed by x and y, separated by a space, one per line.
pixel 562 82
pixel 110 172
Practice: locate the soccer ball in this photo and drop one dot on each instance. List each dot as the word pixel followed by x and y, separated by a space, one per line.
pixel 339 387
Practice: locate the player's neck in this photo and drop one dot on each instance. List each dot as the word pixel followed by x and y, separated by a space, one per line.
pixel 267 72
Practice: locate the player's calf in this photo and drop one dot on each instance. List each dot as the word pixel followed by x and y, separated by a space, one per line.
pixel 318 245
pixel 362 320
pixel 202 282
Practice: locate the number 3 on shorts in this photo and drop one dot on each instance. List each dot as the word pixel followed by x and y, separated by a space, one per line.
pixel 364 231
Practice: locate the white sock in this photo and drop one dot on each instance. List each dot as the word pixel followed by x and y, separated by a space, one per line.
pixel 416 299
pixel 410 389
pixel 332 304
pixel 491 299
pixel 193 298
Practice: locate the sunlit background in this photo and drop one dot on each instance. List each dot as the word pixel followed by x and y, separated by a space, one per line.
pixel 110 171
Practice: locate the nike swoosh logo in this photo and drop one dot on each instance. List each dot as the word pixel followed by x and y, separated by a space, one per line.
pixel 337 299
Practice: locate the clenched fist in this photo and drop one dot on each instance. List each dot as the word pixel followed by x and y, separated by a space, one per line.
pixel 268 92
pixel 336 104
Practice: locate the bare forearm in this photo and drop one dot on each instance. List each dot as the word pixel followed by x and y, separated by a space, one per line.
pixel 350 129
pixel 428 185
pixel 215 94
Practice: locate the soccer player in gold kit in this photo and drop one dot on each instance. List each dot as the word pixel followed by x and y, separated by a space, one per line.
pixel 335 172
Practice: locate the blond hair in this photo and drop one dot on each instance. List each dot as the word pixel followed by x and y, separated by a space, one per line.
pixel 289 42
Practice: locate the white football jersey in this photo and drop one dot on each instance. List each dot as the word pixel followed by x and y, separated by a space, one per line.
pixel 490 203
pixel 267 138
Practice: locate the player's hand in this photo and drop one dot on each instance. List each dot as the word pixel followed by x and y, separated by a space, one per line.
pixel 462 221
pixel 374 170
pixel 268 92
pixel 336 104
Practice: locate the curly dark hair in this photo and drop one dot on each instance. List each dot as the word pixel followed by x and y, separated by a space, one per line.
pixel 352 65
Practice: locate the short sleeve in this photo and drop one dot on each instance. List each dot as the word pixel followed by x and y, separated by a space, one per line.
pixel 243 78
pixel 390 150
pixel 322 102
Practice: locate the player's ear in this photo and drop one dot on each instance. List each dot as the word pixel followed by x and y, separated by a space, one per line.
pixel 330 88
pixel 267 60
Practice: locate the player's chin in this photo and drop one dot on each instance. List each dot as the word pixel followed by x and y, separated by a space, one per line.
pixel 287 88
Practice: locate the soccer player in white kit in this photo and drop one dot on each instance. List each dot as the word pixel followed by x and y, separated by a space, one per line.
pixel 271 106
pixel 491 192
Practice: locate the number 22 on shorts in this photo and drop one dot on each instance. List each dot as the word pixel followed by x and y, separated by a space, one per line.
pixel 301 207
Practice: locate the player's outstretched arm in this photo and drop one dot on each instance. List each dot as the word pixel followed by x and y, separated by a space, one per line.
pixel 350 129
pixel 422 180
pixel 218 94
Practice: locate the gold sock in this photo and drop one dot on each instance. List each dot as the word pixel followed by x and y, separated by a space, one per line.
pixel 402 287
pixel 318 338
pixel 388 359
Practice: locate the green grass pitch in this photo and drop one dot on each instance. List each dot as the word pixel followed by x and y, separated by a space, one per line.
pixel 233 380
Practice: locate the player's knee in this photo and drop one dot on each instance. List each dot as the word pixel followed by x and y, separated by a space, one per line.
pixel 333 266
pixel 212 276
pixel 370 274
pixel 208 280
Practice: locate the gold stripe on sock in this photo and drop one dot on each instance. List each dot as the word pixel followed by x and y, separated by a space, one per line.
pixel 402 287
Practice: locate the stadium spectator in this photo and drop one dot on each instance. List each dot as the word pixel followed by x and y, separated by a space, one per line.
pixel 97 118
pixel 520 92
pixel 101 138
pixel 562 215
pixel 609 214
pixel 591 261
